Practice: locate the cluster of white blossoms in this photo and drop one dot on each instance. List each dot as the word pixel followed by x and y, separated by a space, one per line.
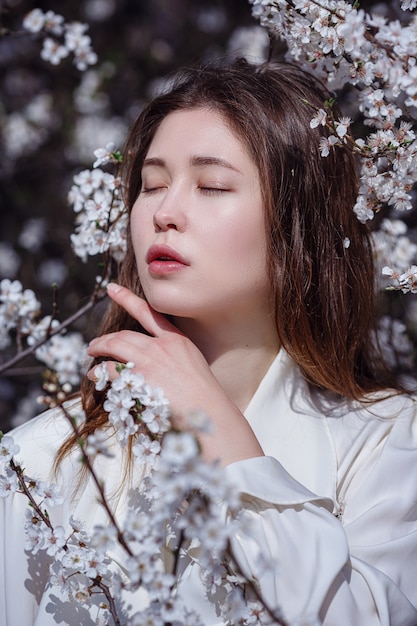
pixel 348 47
pixel 20 314
pixel 129 394
pixel 24 131
pixel 181 510
pixel 406 281
pixel 100 228
pixel 19 309
pixel 394 343
pixel 392 247
pixel 101 217
pixel 61 38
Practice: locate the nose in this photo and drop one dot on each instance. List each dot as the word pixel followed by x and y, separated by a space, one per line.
pixel 170 214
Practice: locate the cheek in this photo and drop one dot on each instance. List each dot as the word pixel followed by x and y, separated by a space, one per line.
pixel 137 231
pixel 247 243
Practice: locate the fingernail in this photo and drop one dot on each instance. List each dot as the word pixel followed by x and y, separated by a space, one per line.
pixel 113 288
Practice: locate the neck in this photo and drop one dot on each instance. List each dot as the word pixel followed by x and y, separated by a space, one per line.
pixel 239 355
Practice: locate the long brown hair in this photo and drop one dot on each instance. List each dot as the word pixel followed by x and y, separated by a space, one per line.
pixel 324 291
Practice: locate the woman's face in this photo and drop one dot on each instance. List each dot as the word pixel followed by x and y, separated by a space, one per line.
pixel 198 223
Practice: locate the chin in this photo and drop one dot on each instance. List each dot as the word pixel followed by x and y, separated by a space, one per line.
pixel 168 307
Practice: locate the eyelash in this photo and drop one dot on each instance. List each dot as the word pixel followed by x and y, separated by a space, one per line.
pixel 212 191
pixel 150 189
pixel 208 191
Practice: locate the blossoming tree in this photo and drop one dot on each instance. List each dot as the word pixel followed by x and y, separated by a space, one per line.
pixel 370 60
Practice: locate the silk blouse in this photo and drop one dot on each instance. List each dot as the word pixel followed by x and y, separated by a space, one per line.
pixel 333 502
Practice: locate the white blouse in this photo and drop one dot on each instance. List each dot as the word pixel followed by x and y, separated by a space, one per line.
pixel 334 501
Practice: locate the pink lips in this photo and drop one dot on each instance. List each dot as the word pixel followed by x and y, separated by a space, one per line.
pixel 163 259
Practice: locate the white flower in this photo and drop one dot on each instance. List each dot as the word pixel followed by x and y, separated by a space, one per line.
pixel 53 51
pixel 59 577
pixel 409 5
pixel 9 260
pixel 40 330
pixel 34 21
pixel 396 346
pixel 10 290
pixel 145 448
pixel 352 31
pixel 82 595
pixel 362 210
pixel 179 448
pixel 76 524
pixel 101 376
pixel 97 565
pixel 140 568
pixel 408 280
pixel 8 482
pixel 342 126
pixel 104 155
pixel 128 380
pixel 326 144
pixel 319 118
pixel 32 234
pixel 66 355
pixel 54 540
pixel 35 533
pixel 75 557
pixel 96 444
pixel 118 404
pixel 161 587
pixel 50 494
pixel 104 538
pixel 8 448
pixel 80 44
pixel 75 36
pixel 84 57
pixel 54 23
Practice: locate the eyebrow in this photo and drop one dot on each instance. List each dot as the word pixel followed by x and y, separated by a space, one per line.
pixel 196 161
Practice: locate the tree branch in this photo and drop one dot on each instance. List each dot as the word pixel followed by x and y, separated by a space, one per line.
pixel 96 297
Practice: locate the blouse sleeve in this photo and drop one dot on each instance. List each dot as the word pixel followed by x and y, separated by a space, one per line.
pixel 360 569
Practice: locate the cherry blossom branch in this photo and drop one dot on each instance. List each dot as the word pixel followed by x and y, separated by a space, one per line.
pixel 24 489
pixel 96 297
pixel 236 566
pixel 97 581
pixel 102 497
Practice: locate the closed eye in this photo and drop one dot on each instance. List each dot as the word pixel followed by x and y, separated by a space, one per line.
pixel 211 191
pixel 151 189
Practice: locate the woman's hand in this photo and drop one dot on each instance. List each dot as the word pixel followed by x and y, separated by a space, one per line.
pixel 168 359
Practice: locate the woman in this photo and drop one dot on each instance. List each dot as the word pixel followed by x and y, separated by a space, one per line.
pixel 239 297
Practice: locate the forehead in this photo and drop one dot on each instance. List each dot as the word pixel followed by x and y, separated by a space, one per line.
pixel 198 130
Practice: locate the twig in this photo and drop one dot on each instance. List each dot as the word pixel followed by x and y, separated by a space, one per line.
pixel 273 614
pixel 31 349
pixel 97 582
pixel 86 460
pixel 25 490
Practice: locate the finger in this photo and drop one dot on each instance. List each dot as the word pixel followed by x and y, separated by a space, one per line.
pixel 153 322
pixel 122 346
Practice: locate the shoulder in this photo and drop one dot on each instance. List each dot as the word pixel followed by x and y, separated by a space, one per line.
pixel 384 412
pixel 381 432
pixel 40 438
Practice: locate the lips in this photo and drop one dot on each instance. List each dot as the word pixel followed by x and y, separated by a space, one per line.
pixel 164 253
pixel 163 261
